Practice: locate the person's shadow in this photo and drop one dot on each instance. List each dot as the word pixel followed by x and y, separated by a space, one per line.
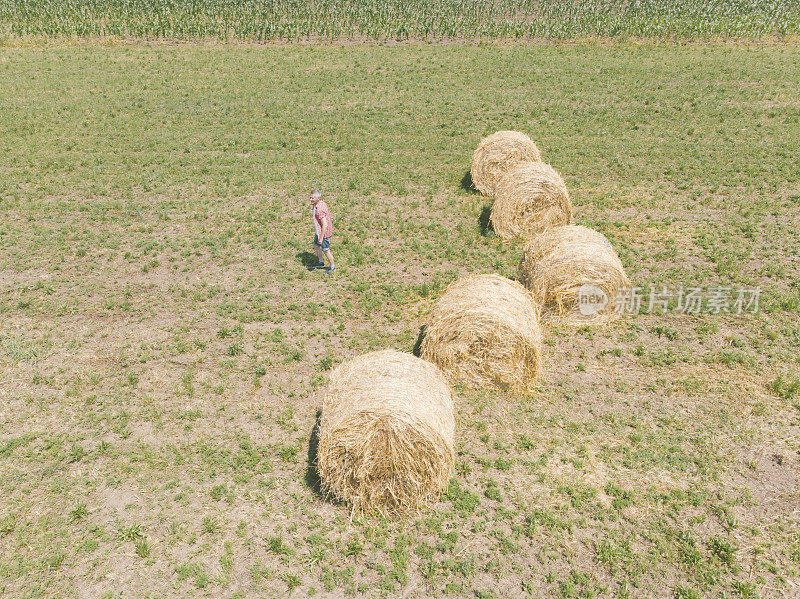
pixel 307 259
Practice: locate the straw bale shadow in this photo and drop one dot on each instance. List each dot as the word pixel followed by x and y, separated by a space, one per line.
pixel 312 478
pixel 485 222
pixel 467 184
pixel 418 345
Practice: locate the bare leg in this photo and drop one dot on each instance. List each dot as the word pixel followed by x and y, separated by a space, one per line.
pixel 329 256
pixel 319 253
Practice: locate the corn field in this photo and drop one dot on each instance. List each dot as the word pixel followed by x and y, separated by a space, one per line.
pixel 290 20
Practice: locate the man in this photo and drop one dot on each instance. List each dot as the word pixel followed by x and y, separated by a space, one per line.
pixel 323 229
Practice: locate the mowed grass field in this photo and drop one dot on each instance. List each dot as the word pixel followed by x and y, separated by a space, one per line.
pixel 164 351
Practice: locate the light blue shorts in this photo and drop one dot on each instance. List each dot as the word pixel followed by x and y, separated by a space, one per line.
pixel 325 245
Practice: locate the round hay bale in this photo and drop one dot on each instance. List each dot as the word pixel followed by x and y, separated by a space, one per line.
pixel 386 435
pixel 531 198
pixel 484 330
pixel 575 275
pixel 496 154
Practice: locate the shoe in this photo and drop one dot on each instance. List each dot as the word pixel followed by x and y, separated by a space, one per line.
pixel 330 270
pixel 319 265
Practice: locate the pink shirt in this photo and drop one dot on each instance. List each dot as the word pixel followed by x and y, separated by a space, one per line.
pixel 322 214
